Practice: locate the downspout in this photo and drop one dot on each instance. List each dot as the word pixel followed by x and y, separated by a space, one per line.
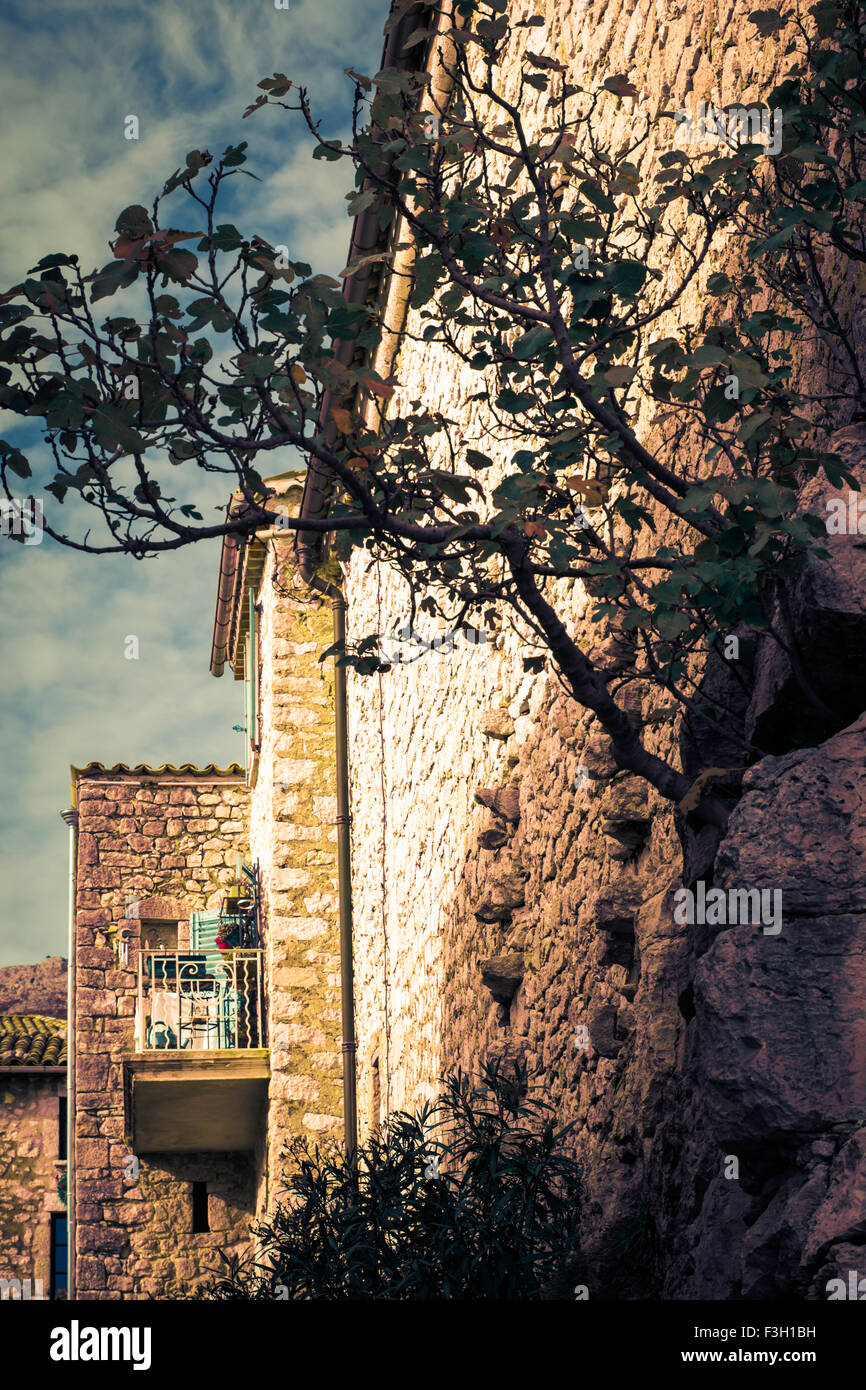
pixel 70 816
pixel 344 877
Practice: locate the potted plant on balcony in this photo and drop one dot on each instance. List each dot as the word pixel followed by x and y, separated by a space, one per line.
pixel 228 936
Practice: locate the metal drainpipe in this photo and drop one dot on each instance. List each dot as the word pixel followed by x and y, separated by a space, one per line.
pixel 344 874
pixel 71 818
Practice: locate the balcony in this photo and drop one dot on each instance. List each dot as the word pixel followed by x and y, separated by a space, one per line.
pixel 199 1077
pixel 199 1001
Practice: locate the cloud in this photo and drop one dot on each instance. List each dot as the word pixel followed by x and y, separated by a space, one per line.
pixel 188 71
pixel 303 205
pixel 70 695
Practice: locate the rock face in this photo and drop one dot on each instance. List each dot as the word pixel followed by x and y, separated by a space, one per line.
pixel 828 613
pixel 496 723
pixel 505 801
pixel 779 1071
pixel 502 976
pixel 34 989
pixel 715 1070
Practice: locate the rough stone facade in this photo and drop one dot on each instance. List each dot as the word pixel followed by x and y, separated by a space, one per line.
pixel 293 838
pixel 167 843
pixel 506 907
pixel 32 1174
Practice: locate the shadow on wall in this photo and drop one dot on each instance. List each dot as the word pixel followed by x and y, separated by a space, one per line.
pixel 543 963
pixel 190 1207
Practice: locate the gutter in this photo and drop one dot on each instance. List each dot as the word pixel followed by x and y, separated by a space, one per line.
pixel 366 238
pixel 70 817
pixel 31 1072
pixel 229 563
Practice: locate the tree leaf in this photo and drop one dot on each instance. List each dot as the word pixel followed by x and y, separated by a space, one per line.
pixel 532 342
pixel 455 485
pixel 753 423
pixel 177 265
pixel 134 222
pixel 478 460
pixel 115 276
pixel 234 155
pixel 378 388
pixel 626 277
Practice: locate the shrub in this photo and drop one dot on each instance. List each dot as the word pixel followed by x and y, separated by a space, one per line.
pixel 474 1196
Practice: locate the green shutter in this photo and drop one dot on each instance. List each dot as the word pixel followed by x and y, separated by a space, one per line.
pixel 204 929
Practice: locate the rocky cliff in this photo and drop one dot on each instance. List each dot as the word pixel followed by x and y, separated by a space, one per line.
pixel 34 989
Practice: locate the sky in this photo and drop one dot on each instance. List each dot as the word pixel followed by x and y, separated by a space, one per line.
pixel 71 73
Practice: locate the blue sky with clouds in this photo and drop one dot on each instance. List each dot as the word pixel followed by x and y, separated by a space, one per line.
pixel 72 71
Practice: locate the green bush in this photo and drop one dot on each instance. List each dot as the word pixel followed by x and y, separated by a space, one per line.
pixel 474 1196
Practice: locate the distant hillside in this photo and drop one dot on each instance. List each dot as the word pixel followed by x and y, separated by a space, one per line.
pixel 34 989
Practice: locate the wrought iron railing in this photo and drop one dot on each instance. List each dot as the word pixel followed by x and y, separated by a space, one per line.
pixel 207 1000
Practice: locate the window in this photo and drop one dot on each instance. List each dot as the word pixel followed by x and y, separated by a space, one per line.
pixel 159 936
pixel 200 1223
pixel 61 1126
pixel 59 1252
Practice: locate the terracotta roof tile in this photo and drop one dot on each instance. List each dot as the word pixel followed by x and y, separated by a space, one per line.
pixel 32 1040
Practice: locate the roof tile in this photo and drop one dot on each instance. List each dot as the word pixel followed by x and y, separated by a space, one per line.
pixel 32 1040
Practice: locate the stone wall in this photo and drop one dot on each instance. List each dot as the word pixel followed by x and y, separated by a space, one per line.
pixel 168 844
pixel 29 1174
pixel 537 921
pixel 418 743
pixel 293 838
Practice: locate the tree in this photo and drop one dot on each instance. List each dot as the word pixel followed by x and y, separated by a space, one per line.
pixel 473 1197
pixel 541 266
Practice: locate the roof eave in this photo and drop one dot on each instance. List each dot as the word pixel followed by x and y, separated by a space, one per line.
pixel 319 485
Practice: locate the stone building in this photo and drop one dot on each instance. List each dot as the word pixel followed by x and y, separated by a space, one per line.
pixel 502 906
pixel 33 1229
pixel 206 975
